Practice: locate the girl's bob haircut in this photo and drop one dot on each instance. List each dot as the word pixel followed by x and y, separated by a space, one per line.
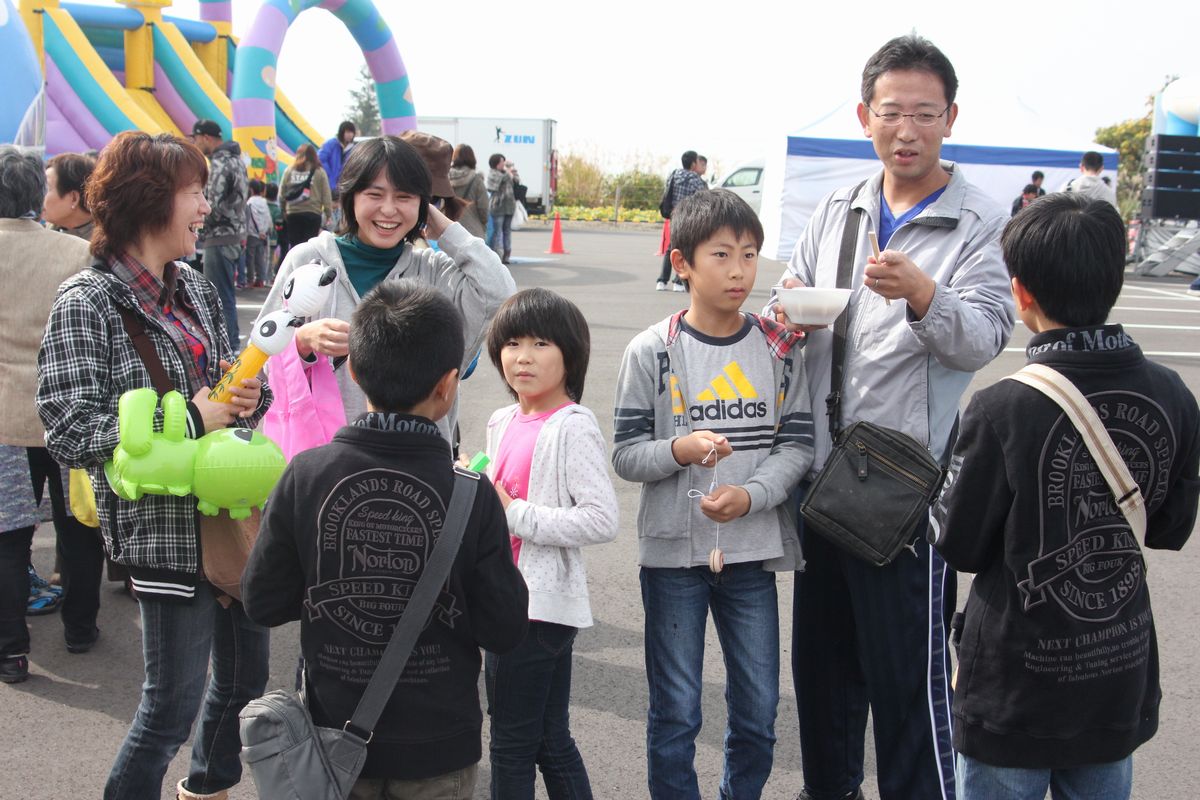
pixel 545 315
pixel 405 170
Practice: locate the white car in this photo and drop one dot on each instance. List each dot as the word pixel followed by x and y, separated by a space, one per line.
pixel 746 181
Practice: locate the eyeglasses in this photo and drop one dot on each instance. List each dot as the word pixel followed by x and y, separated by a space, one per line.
pixel 922 118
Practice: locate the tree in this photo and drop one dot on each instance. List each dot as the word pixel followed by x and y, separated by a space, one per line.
pixel 363 108
pixel 1128 138
pixel 581 182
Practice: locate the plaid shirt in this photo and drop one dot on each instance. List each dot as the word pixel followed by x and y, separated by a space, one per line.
pixel 86 363
pixel 685 183
pixel 160 298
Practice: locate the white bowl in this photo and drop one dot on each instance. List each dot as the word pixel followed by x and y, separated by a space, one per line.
pixel 805 305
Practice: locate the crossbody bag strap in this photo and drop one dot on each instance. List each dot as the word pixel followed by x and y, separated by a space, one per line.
pixel 416 611
pixel 845 268
pixel 1083 416
pixel 145 350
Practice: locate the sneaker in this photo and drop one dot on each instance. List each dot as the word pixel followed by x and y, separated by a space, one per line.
pixel 661 286
pixel 84 644
pixel 1194 289
pixel 14 669
pixel 43 598
pixel 678 287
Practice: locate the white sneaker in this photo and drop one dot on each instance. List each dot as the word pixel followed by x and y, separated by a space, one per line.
pixel 1193 292
pixel 660 286
pixel 678 287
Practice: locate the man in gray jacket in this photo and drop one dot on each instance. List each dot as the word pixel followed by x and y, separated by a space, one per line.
pixel 927 312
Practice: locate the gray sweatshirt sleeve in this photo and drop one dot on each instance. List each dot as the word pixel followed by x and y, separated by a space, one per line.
pixel 970 319
pixel 477 282
pixel 791 454
pixel 637 455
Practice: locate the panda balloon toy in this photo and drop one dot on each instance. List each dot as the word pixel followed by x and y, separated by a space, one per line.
pixel 305 294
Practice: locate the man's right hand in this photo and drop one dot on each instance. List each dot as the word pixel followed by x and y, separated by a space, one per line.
pixel 329 337
pixel 697 448
pixel 782 319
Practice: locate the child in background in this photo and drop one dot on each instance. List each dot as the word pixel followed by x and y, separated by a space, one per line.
pixel 1058 662
pixel 550 471
pixel 275 237
pixel 713 420
pixel 258 229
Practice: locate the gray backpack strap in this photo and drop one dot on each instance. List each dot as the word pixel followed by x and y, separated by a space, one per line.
pixel 416 612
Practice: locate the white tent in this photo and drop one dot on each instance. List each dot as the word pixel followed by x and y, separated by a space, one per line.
pixel 805 166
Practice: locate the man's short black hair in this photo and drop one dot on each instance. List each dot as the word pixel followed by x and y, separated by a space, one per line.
pixel 1068 251
pixel 546 315
pixel 909 52
pixel 495 160
pixel 1038 175
pixel 1092 161
pixel 688 158
pixel 404 337
pixel 700 215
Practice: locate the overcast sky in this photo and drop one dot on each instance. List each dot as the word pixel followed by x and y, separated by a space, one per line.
pixel 731 79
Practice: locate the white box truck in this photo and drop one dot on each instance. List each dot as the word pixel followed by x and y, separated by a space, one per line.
pixel 528 143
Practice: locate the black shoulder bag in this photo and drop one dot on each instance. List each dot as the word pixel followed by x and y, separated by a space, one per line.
pixel 877 482
pixel 665 206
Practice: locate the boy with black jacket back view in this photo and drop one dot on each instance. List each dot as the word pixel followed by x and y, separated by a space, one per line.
pixel 1058 662
pixel 347 533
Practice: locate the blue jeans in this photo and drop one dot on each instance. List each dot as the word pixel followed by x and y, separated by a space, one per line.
pixel 178 641
pixel 745 610
pixel 220 267
pixel 979 781
pixel 529 698
pixel 500 233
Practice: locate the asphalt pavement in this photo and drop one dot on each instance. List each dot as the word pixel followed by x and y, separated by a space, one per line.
pixel 60 730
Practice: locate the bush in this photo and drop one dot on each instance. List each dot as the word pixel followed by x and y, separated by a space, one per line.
pixel 602 214
pixel 580 182
pixel 639 189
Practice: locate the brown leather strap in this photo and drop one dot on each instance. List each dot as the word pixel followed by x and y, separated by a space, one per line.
pixel 145 350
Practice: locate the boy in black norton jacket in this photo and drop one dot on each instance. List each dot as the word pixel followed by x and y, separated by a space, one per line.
pixel 1058 661
pixel 348 531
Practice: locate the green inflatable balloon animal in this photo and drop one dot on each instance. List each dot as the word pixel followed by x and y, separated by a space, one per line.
pixel 231 468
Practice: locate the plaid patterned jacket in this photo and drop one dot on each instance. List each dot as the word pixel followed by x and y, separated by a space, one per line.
pixel 86 363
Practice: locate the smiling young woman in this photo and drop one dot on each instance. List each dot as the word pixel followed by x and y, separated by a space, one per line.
pixel 385 192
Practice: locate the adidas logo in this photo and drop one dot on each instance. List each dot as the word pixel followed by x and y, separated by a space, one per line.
pixel 727 398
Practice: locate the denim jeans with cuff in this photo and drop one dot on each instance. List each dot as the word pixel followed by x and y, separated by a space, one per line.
pixel 745 611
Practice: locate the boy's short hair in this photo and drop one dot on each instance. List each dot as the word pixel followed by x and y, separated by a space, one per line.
pixel 256 186
pixel 1068 251
pixel 550 316
pixel 700 215
pixel 1092 160
pixel 1030 188
pixel 272 191
pixel 404 337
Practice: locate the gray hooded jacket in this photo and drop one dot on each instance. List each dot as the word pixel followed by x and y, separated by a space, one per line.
pixel 901 372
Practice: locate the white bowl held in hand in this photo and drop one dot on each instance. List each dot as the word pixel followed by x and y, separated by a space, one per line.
pixel 806 305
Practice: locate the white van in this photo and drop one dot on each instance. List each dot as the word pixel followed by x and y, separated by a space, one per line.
pixel 746 181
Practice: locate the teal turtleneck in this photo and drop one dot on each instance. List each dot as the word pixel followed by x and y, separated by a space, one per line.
pixel 366 265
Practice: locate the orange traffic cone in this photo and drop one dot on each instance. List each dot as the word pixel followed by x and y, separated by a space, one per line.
pixel 665 244
pixel 556 244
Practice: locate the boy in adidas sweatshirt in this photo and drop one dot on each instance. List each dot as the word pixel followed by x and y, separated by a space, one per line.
pixel 712 418
pixel 1058 662
pixel 347 533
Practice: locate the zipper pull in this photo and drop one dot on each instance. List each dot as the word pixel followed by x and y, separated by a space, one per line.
pixel 862 461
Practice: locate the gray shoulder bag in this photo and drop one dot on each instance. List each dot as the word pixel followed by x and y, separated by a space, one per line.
pixel 290 757
pixel 877 483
